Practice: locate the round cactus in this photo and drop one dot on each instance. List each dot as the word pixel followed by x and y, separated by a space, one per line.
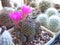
pixel 5 20
pixel 29 29
pixel 51 11
pixel 44 5
pixel 54 22
pixel 33 4
pixel 42 19
pixel 6 39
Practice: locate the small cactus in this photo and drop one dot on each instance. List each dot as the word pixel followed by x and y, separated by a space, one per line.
pixel 42 19
pixel 5 20
pixel 33 4
pixel 5 38
pixel 29 29
pixel 54 22
pixel 51 11
pixel 44 5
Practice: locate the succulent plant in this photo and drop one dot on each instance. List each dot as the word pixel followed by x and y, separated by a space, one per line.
pixel 54 22
pixel 4 19
pixel 29 29
pixel 33 4
pixel 42 19
pixel 51 11
pixel 5 38
pixel 43 5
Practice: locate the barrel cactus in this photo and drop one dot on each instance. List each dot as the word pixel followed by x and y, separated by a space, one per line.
pixel 29 29
pixel 54 22
pixel 51 11
pixel 4 19
pixel 42 19
pixel 43 5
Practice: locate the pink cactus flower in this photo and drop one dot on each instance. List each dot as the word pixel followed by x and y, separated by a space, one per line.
pixel 26 10
pixel 15 16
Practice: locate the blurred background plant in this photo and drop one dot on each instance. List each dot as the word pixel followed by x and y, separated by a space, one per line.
pixel 43 5
pixel 42 19
pixel 51 11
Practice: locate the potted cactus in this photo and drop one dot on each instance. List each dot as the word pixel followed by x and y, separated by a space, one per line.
pixel 54 22
pixel 43 5
pixel 51 11
pixel 42 19
pixel 28 29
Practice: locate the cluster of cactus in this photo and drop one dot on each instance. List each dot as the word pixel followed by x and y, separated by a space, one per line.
pixel 44 5
pixel 53 23
pixel 29 29
pixel 51 11
pixel 42 19
pixel 5 20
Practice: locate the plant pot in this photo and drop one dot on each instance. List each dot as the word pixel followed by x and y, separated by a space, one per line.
pixel 52 39
pixel 56 41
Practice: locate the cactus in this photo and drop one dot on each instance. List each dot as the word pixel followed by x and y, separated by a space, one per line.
pixel 5 38
pixel 33 4
pixel 44 5
pixel 51 11
pixel 42 19
pixel 29 29
pixel 54 22
pixel 4 19
pixel 6 3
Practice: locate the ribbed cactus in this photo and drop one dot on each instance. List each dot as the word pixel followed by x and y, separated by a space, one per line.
pixel 54 22
pixel 6 39
pixel 29 29
pixel 4 19
pixel 43 5
pixel 42 19
pixel 51 11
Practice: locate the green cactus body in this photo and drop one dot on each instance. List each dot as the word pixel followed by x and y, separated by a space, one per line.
pixel 51 11
pixel 42 19
pixel 44 5
pixel 29 29
pixel 54 23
